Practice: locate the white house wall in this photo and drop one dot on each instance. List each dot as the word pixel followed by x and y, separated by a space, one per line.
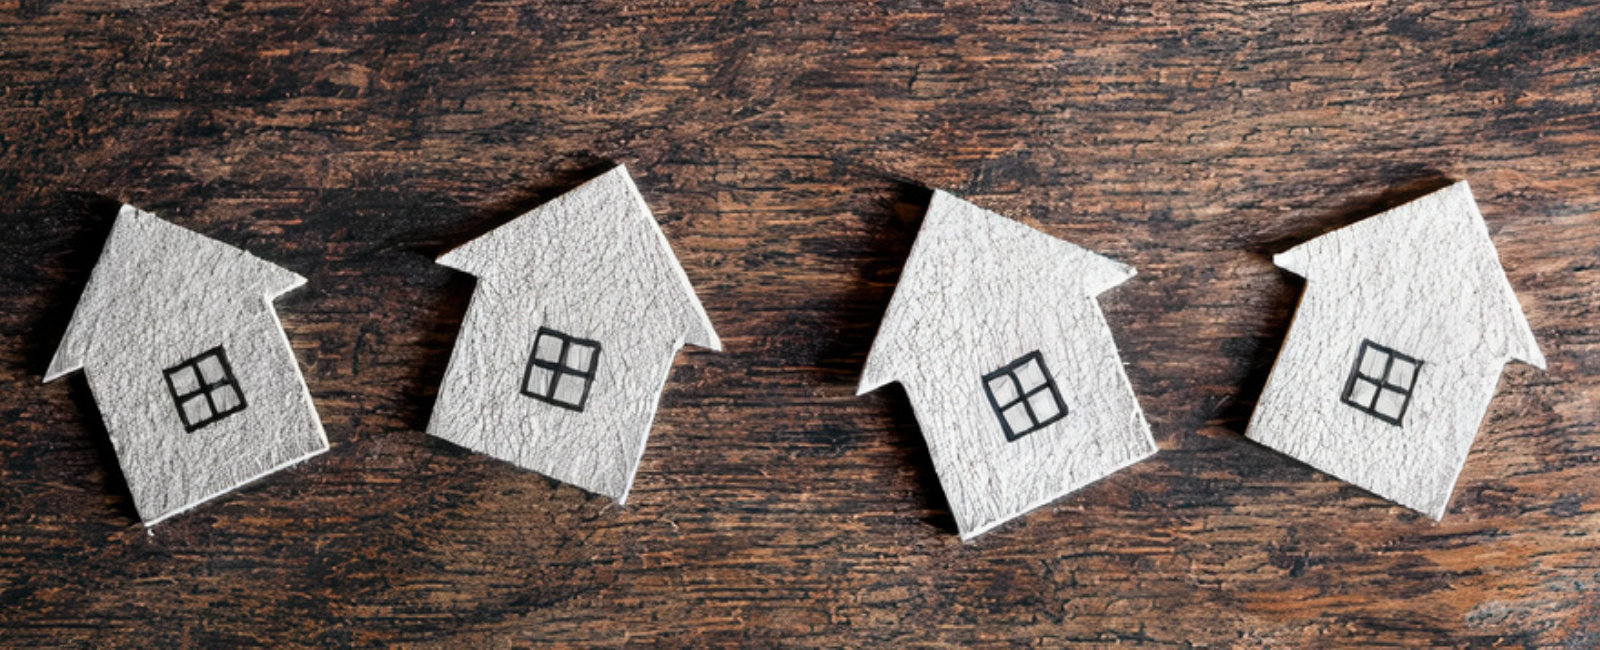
pixel 161 295
pixel 591 264
pixel 170 470
pixel 989 479
pixel 1423 279
pixel 1301 411
pixel 481 406
pixel 979 292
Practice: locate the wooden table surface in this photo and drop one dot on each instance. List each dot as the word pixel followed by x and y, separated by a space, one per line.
pixel 786 150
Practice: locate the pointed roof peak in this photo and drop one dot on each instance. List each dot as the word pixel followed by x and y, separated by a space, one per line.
pixel 139 227
pixel 1433 241
pixel 611 194
pixel 976 269
pixel 1449 207
pixel 147 260
pixel 588 227
pixel 1003 236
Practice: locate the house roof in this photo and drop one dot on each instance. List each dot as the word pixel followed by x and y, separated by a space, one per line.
pixel 581 229
pixel 962 250
pixel 150 270
pixel 1437 248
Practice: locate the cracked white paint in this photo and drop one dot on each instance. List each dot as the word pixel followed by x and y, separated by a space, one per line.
pixel 1425 280
pixel 161 295
pixel 978 292
pixel 591 264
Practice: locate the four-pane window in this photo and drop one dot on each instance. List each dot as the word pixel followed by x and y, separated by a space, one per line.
pixel 204 389
pixel 561 369
pixel 1380 383
pixel 1024 396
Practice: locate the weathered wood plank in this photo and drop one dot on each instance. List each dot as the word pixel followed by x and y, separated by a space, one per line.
pixel 780 145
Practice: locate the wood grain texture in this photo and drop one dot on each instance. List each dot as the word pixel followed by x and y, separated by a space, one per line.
pixel 161 298
pixel 996 337
pixel 593 266
pixel 1414 298
pixel 354 142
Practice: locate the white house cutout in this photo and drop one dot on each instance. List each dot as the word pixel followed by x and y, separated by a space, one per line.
pixel 565 348
pixel 193 375
pixel 1405 326
pixel 995 334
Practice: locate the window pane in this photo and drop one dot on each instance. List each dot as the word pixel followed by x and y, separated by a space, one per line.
pixel 569 389
pixel 225 397
pixel 580 357
pixel 1017 417
pixel 196 410
pixel 1372 362
pixel 1390 404
pixel 1044 405
pixel 184 381
pixel 211 369
pixel 1362 392
pixel 1402 374
pixel 548 348
pixel 1004 389
pixel 1030 375
pixel 539 381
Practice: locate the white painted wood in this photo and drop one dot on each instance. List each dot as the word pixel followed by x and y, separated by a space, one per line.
pixel 591 264
pixel 978 292
pixel 159 296
pixel 1423 279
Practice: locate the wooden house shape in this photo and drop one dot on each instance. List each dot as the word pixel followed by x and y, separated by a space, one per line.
pixel 1399 341
pixel 995 333
pixel 579 310
pixel 189 365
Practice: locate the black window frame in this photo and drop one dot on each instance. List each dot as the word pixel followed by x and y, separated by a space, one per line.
pixel 228 379
pixel 560 369
pixel 1382 383
pixel 1024 397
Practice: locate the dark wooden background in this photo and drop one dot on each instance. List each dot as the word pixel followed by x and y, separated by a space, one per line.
pixel 785 149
